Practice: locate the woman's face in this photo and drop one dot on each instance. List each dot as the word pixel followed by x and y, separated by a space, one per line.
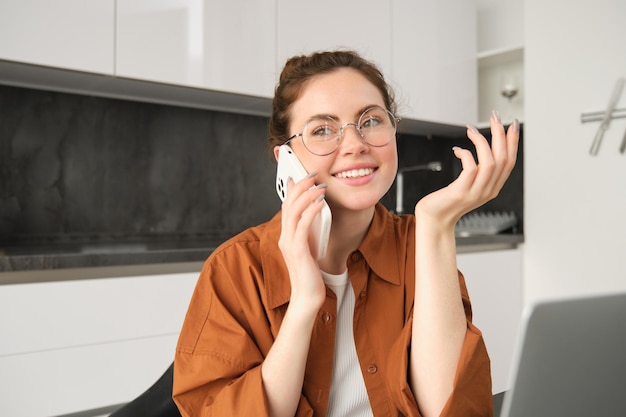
pixel 358 175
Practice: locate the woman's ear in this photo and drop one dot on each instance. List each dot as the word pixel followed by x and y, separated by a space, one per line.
pixel 276 149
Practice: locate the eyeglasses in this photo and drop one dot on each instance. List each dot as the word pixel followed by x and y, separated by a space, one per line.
pixel 322 134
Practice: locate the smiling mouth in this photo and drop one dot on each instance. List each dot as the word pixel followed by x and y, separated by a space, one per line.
pixel 355 173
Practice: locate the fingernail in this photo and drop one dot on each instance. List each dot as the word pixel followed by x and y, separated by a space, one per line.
pixel 455 148
pixel 320 186
pixel 289 180
pixel 311 174
pixel 319 198
pixel 496 116
pixel 472 128
pixel 516 125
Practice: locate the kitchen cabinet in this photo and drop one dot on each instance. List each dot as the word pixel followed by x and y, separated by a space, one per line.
pixel 426 49
pixel 227 51
pixel 69 34
pixel 304 27
pixel 217 45
pixel 494 282
pixel 434 60
pixel 85 344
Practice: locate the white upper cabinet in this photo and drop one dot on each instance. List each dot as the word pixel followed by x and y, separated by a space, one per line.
pixel 70 34
pixel 427 49
pixel 500 25
pixel 220 45
pixel 305 27
pixel 434 60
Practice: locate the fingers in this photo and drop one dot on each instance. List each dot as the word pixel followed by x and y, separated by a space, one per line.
pixel 470 169
pixel 504 146
pixel 512 139
pixel 302 204
pixel 485 179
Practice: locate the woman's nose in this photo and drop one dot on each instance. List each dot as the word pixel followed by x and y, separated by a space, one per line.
pixel 352 141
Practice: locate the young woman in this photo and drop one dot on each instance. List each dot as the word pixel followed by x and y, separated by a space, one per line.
pixel 381 326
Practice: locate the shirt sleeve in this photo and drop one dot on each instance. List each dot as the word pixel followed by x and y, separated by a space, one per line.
pixel 217 364
pixel 471 395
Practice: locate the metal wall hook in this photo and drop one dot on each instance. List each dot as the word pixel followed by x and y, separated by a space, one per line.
pixel 607 116
pixel 596 116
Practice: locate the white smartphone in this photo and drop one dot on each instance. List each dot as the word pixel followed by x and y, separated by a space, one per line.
pixel 290 166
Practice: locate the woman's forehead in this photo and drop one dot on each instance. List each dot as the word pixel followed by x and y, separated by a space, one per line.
pixel 342 94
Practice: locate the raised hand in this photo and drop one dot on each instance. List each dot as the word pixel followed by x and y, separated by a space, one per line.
pixel 479 181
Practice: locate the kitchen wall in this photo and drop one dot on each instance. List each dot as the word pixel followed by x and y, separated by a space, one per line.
pixel 76 168
pixel 575 203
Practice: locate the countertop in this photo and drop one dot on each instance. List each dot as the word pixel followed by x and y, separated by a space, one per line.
pixel 145 258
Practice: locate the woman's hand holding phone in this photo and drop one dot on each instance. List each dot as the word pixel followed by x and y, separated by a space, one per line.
pixel 289 167
pixel 305 228
pixel 299 209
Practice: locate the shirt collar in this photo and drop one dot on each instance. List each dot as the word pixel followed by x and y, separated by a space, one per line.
pixel 379 248
pixel 275 273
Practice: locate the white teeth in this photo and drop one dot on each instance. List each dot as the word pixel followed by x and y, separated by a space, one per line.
pixel 355 173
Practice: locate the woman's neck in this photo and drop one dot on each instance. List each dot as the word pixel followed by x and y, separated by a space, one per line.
pixel 346 234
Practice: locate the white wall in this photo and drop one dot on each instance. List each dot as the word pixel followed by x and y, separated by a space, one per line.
pixel 575 204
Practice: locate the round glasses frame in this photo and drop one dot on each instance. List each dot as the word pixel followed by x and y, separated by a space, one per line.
pixel 358 126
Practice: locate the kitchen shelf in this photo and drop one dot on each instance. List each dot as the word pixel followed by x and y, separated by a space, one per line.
pixel 500 56
pixel 492 66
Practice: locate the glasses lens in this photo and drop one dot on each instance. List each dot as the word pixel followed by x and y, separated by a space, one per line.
pixel 321 135
pixel 377 126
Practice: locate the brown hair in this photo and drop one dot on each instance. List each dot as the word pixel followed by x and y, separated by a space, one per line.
pixel 300 69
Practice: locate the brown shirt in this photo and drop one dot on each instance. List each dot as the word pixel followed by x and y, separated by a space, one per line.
pixel 241 298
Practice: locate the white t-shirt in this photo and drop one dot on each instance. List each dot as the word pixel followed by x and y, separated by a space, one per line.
pixel 348 395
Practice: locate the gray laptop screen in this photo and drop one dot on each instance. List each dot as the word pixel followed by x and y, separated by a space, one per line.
pixel 570 359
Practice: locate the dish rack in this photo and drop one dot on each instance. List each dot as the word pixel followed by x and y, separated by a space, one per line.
pixel 485 223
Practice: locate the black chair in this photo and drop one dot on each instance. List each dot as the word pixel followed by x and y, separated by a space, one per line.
pixel 155 402
pixel 497 403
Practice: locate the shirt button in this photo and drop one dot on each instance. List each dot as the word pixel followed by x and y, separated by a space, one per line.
pixel 363 294
pixel 372 369
pixel 356 256
pixel 325 317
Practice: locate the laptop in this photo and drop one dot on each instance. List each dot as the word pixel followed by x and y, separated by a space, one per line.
pixel 570 359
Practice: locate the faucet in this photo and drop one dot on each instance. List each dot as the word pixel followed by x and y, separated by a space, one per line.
pixel 431 166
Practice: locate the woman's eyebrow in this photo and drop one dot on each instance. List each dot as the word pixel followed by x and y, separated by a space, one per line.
pixel 323 116
pixel 357 114
pixel 362 110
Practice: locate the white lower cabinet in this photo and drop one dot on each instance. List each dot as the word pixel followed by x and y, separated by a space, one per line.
pixel 77 345
pixel 494 282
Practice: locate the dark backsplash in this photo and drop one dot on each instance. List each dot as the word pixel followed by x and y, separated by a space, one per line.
pixel 81 168
pixel 414 150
